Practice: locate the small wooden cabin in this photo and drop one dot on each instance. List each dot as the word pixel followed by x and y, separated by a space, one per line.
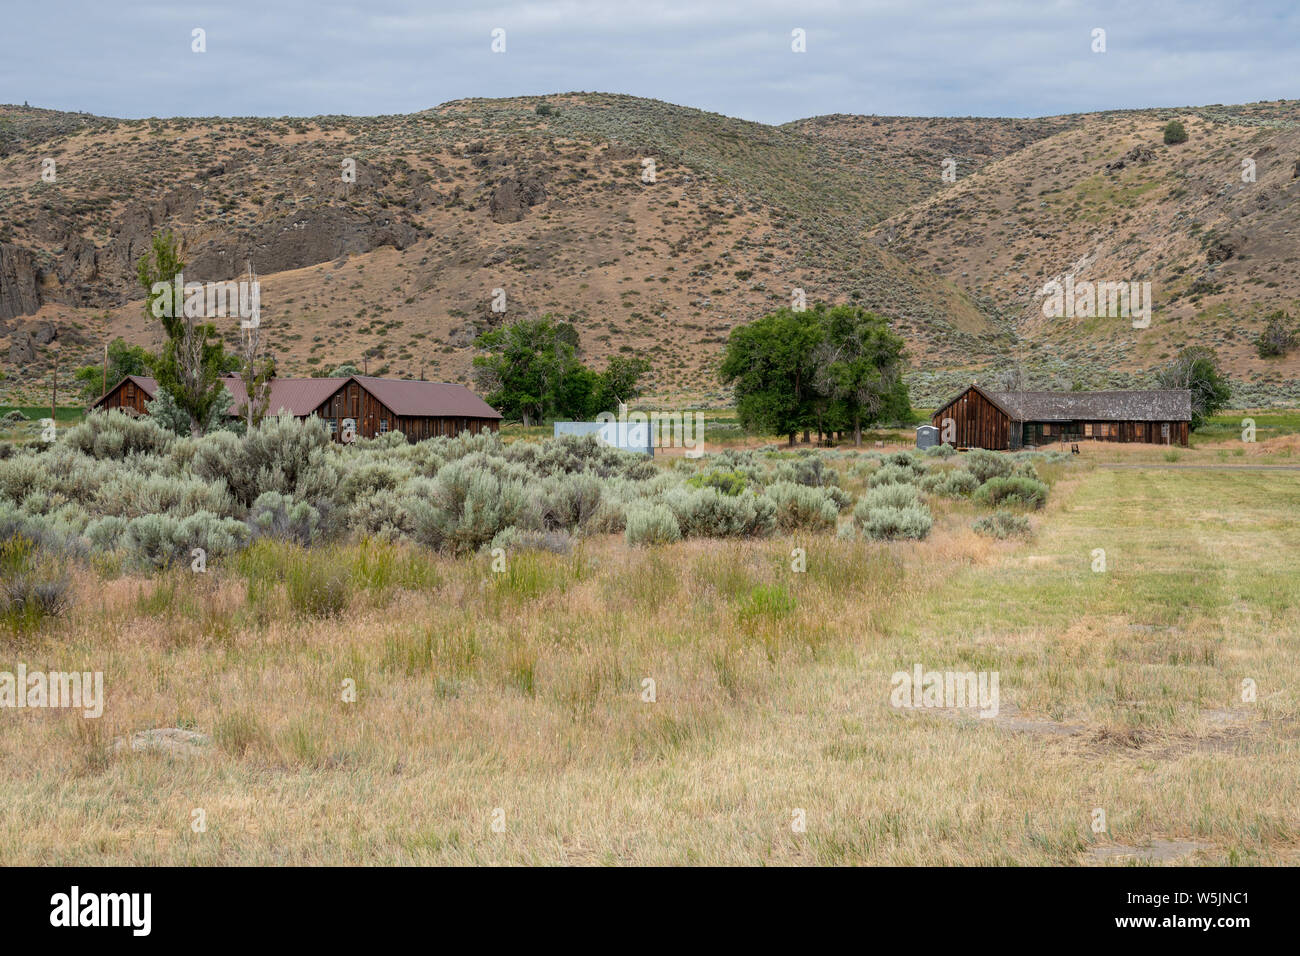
pixel 980 418
pixel 130 394
pixel 375 406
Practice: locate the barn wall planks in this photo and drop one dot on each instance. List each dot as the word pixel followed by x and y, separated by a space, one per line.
pixel 373 418
pixel 976 422
pixel 127 395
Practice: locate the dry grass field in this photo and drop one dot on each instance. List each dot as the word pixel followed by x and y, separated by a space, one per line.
pixel 516 698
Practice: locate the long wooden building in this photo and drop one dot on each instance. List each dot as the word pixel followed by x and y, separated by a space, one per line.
pixel 359 404
pixel 980 418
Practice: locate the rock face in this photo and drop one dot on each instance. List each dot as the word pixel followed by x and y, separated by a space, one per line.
pixel 1138 156
pixel 305 239
pixel 1221 250
pixel 20 282
pixel 512 198
pixel 21 350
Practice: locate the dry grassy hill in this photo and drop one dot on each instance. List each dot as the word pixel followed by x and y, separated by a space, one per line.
pixel 398 268
pixel 1107 200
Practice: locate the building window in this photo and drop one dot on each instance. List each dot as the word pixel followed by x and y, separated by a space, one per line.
pixel 383 426
pixel 333 424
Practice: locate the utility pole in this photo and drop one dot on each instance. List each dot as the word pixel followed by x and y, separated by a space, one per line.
pixel 105 391
pixel 54 387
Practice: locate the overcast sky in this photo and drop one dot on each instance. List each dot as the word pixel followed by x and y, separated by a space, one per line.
pixel 913 57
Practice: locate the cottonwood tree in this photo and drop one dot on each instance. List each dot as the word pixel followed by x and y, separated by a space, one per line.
pixel 859 363
pixel 123 360
pixel 531 372
pixel 192 359
pixel 1197 368
pixel 771 364
pixel 1278 336
pixel 256 366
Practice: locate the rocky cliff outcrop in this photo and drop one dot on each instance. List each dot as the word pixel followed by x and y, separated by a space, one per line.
pixel 20 281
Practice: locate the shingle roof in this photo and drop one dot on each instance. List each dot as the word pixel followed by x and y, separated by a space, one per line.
pixel 1152 405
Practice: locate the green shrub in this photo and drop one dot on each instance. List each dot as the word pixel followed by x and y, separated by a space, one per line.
pixel 985 464
pixel 649 523
pixel 283 454
pixel 730 483
pixel 1175 132
pixel 1002 525
pixel 463 507
pixel 800 508
pixel 888 496
pixel 892 475
pixel 707 513
pixel 160 540
pixel 957 483
pixel 1015 490
pixel 115 435
pixel 33 586
pixel 569 502
pixel 888 524
pixel 279 516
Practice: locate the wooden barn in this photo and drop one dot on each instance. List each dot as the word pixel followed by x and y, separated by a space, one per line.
pixel 374 406
pixel 130 394
pixel 980 418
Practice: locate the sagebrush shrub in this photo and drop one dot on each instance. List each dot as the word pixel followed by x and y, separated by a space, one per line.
pixel 707 513
pixel 955 483
pixel 888 524
pixel 888 496
pixel 651 523
pixel 800 508
pixel 1015 490
pixel 729 483
pixel 892 475
pixel 115 434
pixel 160 540
pixel 281 517
pixel 1002 525
pixel 985 464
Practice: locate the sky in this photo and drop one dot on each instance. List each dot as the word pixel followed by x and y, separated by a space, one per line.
pixel 916 57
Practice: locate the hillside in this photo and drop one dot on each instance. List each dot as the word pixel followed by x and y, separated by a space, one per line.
pixel 397 269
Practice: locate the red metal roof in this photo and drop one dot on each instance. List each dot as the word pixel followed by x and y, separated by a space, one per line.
pixel 297 396
pixel 405 397
pixel 147 385
pixel 302 396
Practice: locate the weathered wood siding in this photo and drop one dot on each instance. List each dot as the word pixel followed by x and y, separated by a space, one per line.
pixel 127 395
pixel 1155 433
pixel 978 423
pixel 373 418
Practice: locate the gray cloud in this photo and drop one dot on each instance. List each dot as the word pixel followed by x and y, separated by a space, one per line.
pixel 1007 58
